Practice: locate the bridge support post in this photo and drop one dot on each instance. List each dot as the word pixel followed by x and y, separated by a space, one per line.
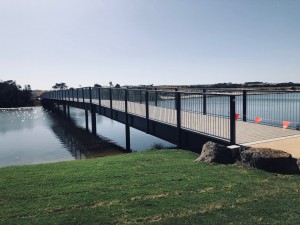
pixel 127 131
pixel 86 119
pixel 244 105
pixel 147 110
pixel 110 103
pixel 65 109
pixel 68 112
pixel 232 121
pixel 156 96
pixel 178 115
pixel 93 118
pixel 127 127
pixel 77 95
pixel 99 99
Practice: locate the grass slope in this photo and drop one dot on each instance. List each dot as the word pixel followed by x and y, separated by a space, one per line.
pixel 157 187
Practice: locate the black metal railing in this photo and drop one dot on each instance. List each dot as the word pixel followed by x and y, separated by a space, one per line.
pixel 209 111
pixel 209 114
pixel 268 106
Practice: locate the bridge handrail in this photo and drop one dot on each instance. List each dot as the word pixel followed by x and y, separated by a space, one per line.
pixel 165 102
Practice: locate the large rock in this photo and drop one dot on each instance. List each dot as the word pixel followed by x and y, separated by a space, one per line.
pixel 213 152
pixel 270 160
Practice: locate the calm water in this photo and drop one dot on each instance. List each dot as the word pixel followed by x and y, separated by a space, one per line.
pixel 34 135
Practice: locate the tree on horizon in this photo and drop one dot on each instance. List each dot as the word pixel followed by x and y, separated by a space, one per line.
pixel 60 86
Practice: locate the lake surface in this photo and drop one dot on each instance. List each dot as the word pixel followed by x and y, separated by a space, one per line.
pixel 34 135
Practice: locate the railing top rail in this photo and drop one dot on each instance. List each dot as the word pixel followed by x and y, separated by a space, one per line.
pixel 275 91
pixel 158 91
pixel 193 93
pixel 220 91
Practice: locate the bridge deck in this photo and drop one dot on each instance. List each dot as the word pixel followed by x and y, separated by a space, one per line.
pixel 246 132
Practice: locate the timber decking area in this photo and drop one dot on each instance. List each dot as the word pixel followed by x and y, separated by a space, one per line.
pixel 247 133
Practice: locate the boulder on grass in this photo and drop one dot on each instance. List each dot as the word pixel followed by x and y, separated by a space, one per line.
pixel 213 152
pixel 270 160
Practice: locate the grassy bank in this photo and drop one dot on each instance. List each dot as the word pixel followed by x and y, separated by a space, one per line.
pixel 157 187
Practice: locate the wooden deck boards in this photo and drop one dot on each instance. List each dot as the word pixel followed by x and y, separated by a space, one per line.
pixel 207 124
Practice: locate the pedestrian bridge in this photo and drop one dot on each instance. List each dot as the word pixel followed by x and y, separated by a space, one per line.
pixel 187 119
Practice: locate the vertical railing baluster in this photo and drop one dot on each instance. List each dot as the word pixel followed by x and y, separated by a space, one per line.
pixel 178 115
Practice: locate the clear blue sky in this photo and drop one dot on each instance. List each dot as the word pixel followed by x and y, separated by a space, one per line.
pixel 83 42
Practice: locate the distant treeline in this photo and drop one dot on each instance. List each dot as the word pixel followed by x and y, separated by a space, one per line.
pixel 246 85
pixel 12 95
pixel 258 85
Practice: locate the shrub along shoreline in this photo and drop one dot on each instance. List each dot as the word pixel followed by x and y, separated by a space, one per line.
pixel 157 187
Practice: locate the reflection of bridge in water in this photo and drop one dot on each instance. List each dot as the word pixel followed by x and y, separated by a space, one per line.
pixel 82 144
pixel 187 119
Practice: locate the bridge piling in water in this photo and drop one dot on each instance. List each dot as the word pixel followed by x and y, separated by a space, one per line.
pixel 232 120
pixel 86 119
pixel 93 119
pixel 127 127
pixel 178 115
pixel 110 103
pixel 147 110
pixel 65 110
pixel 68 112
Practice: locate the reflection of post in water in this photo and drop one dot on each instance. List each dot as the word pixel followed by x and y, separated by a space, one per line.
pixel 82 144
pixel 93 117
pixel 68 112
pixel 86 119
pixel 127 127
pixel 92 108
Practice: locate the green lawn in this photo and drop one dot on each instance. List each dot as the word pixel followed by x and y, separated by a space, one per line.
pixel 155 187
